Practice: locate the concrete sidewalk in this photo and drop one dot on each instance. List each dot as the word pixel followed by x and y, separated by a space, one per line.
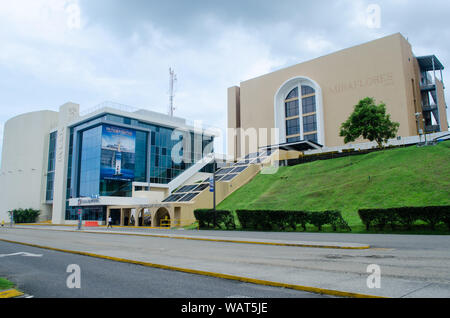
pixel 188 235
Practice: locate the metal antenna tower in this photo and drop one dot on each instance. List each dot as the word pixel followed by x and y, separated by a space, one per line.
pixel 173 80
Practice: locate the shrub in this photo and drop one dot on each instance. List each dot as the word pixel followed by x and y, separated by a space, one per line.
pixel 405 216
pixel 333 218
pixel 25 215
pixel 273 220
pixel 379 218
pixel 318 219
pixel 434 215
pixel 205 218
pixel 337 221
pixel 298 218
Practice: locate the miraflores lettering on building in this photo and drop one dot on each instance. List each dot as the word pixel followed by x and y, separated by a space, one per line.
pixel 385 79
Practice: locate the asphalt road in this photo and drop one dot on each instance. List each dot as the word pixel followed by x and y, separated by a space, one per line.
pixel 396 241
pixel 45 277
pixel 410 265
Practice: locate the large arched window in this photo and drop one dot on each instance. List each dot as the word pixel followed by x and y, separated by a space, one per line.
pixel 307 117
pixel 298 111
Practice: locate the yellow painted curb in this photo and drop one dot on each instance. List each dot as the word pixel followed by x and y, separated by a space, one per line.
pixel 315 290
pixel 222 240
pixel 10 293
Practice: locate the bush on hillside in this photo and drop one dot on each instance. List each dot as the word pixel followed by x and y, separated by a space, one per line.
pixel 281 220
pixel 205 218
pixel 405 216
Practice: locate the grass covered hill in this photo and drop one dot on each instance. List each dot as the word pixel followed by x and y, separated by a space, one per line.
pixel 399 177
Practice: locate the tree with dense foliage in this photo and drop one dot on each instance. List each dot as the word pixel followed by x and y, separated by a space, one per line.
pixel 369 121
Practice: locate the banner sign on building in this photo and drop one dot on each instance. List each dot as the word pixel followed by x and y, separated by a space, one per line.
pixel 118 153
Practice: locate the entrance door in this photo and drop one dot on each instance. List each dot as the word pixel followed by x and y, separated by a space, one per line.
pixel 115 216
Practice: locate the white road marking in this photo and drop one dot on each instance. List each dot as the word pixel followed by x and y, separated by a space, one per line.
pixel 22 253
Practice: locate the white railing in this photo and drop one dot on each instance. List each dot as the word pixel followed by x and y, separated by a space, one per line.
pixel 109 104
pixel 404 141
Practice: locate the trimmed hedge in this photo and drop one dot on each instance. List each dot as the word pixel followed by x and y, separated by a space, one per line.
pixel 25 215
pixel 205 218
pixel 405 216
pixel 280 220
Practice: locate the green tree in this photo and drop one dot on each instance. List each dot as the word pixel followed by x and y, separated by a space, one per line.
pixel 369 121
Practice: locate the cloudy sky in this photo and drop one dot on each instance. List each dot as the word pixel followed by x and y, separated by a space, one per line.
pixel 90 51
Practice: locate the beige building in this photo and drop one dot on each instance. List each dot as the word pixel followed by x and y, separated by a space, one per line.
pixel 310 101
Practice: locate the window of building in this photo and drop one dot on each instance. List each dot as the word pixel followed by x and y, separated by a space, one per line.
pixel 293 139
pixel 309 123
pixel 51 166
pixel 293 94
pixel 297 106
pixel 307 90
pixel 292 108
pixel 309 104
pixel 292 127
pixel 312 137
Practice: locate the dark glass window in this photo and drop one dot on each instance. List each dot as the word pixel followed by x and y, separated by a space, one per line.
pixel 309 104
pixel 140 169
pixel 307 90
pixel 292 127
pixel 292 108
pixel 90 158
pixel 312 137
pixel 309 123
pixel 51 166
pixel 294 139
pixel 293 93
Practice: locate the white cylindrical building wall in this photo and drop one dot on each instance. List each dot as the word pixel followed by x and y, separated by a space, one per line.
pixel 24 163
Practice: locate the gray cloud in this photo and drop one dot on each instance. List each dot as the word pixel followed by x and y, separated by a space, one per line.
pixel 124 48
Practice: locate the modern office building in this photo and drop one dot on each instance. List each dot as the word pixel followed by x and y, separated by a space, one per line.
pixel 307 103
pixel 63 163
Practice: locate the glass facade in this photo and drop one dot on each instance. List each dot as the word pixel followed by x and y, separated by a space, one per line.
pixel 94 213
pixel 51 166
pixel 112 152
pixel 89 163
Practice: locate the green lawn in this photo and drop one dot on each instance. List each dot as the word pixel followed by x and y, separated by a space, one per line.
pixel 5 284
pixel 398 177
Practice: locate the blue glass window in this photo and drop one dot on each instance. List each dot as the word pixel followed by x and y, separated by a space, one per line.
pixel 307 90
pixel 309 123
pixel 292 127
pixel 312 137
pixel 90 159
pixel 309 104
pixel 51 166
pixel 292 108
pixel 293 93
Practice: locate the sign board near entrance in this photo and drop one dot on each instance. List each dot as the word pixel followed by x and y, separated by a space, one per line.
pixel 211 184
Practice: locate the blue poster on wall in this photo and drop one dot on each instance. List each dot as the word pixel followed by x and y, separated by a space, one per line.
pixel 118 153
